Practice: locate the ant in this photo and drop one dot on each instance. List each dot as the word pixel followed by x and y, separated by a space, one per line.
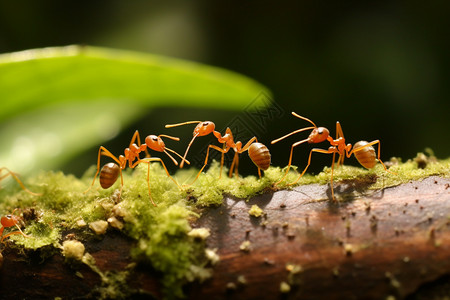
pixel 10 221
pixel 110 171
pixel 16 178
pixel 362 150
pixel 257 152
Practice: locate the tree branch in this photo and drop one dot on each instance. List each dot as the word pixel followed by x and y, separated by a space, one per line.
pixel 370 245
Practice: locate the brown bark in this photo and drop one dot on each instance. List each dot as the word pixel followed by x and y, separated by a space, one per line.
pixel 393 242
pixel 387 243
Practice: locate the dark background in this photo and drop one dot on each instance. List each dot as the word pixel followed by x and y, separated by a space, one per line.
pixel 381 68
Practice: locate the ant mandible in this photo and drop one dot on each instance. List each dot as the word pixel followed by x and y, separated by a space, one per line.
pixel 362 150
pixel 10 221
pixel 110 171
pixel 16 178
pixel 257 152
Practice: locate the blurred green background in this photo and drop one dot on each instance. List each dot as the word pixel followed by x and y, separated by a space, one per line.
pixel 380 68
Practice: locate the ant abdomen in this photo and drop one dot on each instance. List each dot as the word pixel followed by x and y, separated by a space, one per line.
pixel 109 174
pixel 366 156
pixel 260 155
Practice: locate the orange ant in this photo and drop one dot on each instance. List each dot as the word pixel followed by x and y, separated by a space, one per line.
pixel 110 171
pixel 10 221
pixel 363 151
pixel 16 178
pixel 257 152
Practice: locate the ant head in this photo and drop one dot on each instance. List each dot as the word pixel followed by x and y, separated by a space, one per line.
pixel 204 128
pixel 318 135
pixel 155 143
pixel 9 220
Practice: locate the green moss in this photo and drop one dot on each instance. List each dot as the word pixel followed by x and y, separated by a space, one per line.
pixel 40 235
pixel 255 211
pixel 404 172
pixel 377 177
pixel 208 190
pixel 114 286
pixel 162 232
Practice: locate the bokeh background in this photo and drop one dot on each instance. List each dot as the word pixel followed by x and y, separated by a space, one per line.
pixel 381 68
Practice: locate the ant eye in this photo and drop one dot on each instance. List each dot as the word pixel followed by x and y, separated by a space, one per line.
pixel 9 216
pixel 205 123
pixel 320 130
pixel 154 138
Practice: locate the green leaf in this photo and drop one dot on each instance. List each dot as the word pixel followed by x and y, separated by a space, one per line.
pixel 57 102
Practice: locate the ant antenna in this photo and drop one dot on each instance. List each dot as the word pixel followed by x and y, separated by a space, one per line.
pixel 298 130
pixel 303 118
pixel 190 143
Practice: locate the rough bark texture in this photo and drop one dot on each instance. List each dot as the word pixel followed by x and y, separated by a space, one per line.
pixel 370 247
pixel 394 242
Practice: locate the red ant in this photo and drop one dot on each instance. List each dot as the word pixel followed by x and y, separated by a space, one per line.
pixel 16 178
pixel 363 151
pixel 110 171
pixel 257 152
pixel 10 221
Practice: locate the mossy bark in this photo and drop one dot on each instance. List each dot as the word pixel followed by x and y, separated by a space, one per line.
pixel 386 243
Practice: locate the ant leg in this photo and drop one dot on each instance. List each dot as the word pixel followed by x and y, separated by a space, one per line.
pixel 339 134
pixel 249 143
pixel 235 162
pixel 245 148
pixel 378 154
pixel 133 139
pixel 222 158
pixel 206 159
pixel 236 173
pixel 105 152
pixel 234 165
pixel 148 161
pixel 13 233
pixel 121 183
pixel 137 136
pixel 290 160
pixel 238 150
pixel 331 180
pixel 225 149
pixel 16 178
pixel 309 161
pixel 230 172
pixel 148 184
pixel 379 159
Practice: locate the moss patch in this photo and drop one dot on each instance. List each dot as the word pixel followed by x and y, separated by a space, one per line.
pixel 163 233
pixel 255 211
